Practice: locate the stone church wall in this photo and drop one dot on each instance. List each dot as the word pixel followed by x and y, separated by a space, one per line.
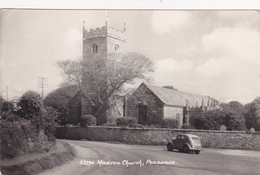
pixel 160 136
pixel 74 109
pixel 154 106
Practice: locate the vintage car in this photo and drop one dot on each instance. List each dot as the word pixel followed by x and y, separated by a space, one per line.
pixel 185 143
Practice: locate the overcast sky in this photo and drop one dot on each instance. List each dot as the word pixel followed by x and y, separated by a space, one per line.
pixel 215 53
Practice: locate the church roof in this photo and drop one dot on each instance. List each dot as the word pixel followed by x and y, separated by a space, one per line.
pixel 174 97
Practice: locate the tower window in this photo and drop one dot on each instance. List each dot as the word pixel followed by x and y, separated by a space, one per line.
pixel 178 116
pixel 116 47
pixel 94 48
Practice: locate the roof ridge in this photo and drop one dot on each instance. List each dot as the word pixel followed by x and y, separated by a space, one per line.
pixel 176 97
pixel 177 90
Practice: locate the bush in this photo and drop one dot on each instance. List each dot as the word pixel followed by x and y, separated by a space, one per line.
pixel 88 120
pixel 19 137
pixel 7 106
pixel 30 105
pixel 186 126
pixel 210 120
pixel 126 121
pixel 236 123
pixel 170 123
pixel 10 117
pixel 12 137
pixel 49 125
pixel 108 124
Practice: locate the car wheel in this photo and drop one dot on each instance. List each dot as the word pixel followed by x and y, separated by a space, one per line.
pixel 169 147
pixel 185 149
pixel 197 151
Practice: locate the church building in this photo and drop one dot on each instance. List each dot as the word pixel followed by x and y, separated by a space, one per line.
pixel 149 104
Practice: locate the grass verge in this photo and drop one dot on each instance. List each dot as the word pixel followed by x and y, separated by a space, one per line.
pixel 38 165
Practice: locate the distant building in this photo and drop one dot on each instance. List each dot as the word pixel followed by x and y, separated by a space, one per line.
pixel 97 43
pixel 151 104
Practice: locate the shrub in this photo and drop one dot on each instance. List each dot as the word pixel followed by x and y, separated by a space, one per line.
pixel 210 120
pixel 187 126
pixel 126 121
pixel 108 124
pixel 88 120
pixel 170 123
pixel 236 122
pixel 7 106
pixel 19 137
pixel 49 125
pixel 12 137
pixel 8 116
pixel 30 105
pixel 197 121
pixel 214 119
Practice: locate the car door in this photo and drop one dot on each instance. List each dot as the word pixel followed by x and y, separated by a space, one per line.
pixel 178 142
pixel 182 141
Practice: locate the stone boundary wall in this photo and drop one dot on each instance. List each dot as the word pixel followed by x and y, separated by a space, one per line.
pixel 160 136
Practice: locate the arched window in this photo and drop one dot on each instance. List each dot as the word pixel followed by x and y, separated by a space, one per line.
pixel 94 48
pixel 178 116
pixel 116 47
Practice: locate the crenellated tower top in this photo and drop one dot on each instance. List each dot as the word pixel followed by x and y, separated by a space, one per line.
pixel 104 31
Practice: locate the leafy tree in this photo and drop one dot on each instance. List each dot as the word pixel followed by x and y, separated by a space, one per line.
pixel 30 105
pixel 213 119
pixel 106 77
pixel 7 106
pixel 253 114
pixel 236 122
pixel 58 99
pixel 234 107
pixel 1 100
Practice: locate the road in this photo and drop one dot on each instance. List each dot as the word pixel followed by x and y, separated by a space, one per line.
pixel 120 159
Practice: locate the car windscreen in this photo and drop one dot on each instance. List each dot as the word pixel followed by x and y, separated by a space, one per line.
pixel 195 140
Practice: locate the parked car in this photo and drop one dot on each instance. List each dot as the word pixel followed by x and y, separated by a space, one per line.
pixel 185 143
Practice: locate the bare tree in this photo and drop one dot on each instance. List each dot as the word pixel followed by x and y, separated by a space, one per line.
pixel 99 78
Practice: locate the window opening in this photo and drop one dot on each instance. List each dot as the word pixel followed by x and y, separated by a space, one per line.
pixel 116 47
pixel 94 48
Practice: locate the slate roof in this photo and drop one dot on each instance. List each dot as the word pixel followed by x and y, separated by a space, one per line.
pixel 174 97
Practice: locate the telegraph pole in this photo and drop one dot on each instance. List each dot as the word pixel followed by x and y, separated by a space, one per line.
pixel 42 83
pixel 6 93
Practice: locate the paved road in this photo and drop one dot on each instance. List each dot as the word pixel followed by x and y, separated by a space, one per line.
pixel 121 159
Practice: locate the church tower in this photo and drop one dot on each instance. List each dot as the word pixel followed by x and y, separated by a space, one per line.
pixel 101 41
pixel 98 43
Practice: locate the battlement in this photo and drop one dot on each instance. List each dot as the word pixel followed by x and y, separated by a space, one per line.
pixel 95 32
pixel 104 31
pixel 114 33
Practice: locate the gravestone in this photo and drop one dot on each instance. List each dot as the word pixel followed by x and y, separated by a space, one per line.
pixel 252 130
pixel 223 128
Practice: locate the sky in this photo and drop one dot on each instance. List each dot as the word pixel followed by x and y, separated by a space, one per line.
pixel 207 52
